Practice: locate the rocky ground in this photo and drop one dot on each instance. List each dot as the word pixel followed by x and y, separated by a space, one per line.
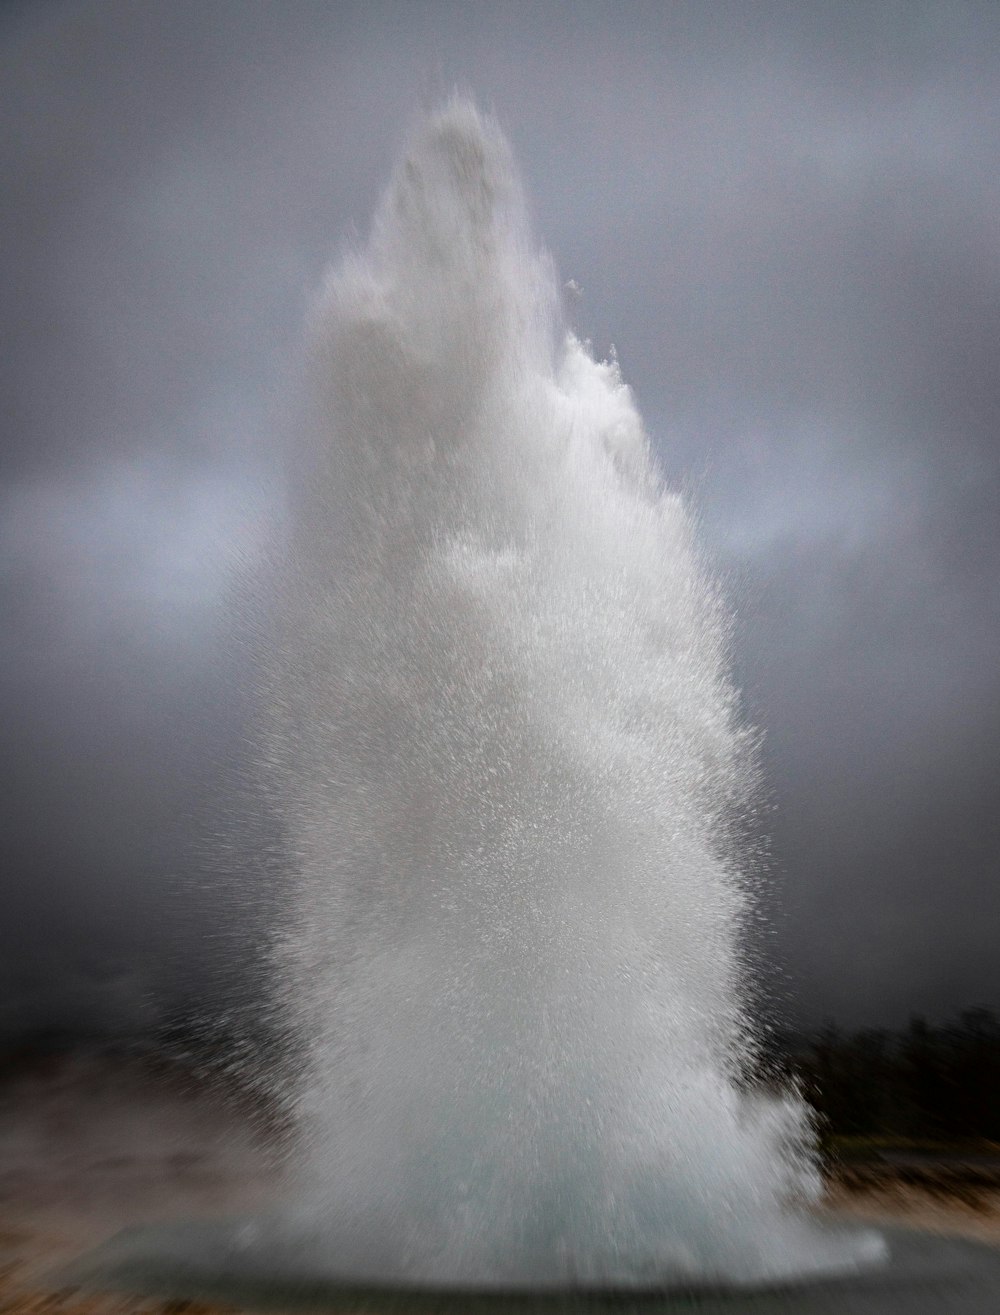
pixel 88 1147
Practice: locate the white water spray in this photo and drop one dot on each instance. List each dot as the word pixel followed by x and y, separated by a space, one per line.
pixel 508 757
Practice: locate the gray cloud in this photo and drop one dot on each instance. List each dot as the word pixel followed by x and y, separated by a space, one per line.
pixel 783 215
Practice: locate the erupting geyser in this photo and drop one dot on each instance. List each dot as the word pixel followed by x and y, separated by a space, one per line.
pixel 508 757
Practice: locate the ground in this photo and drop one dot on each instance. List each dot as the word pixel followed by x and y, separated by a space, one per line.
pixel 91 1146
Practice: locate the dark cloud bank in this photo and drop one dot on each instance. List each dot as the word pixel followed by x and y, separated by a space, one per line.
pixel 784 215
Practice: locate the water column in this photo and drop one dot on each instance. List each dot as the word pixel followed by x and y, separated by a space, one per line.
pixel 509 760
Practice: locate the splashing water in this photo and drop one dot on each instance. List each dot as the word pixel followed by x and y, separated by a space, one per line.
pixel 508 757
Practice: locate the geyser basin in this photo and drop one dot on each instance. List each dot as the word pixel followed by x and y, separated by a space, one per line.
pixel 510 766
pixel 924 1274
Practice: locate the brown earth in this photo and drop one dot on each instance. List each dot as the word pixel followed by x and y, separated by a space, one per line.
pixel 91 1146
pixel 953 1200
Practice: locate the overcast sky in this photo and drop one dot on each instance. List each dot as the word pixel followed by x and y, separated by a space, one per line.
pixel 785 217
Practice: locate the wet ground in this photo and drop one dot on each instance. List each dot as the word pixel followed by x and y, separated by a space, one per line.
pixel 92 1147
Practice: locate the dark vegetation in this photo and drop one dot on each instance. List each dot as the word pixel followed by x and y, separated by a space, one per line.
pixel 936 1086
pixel 929 1086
